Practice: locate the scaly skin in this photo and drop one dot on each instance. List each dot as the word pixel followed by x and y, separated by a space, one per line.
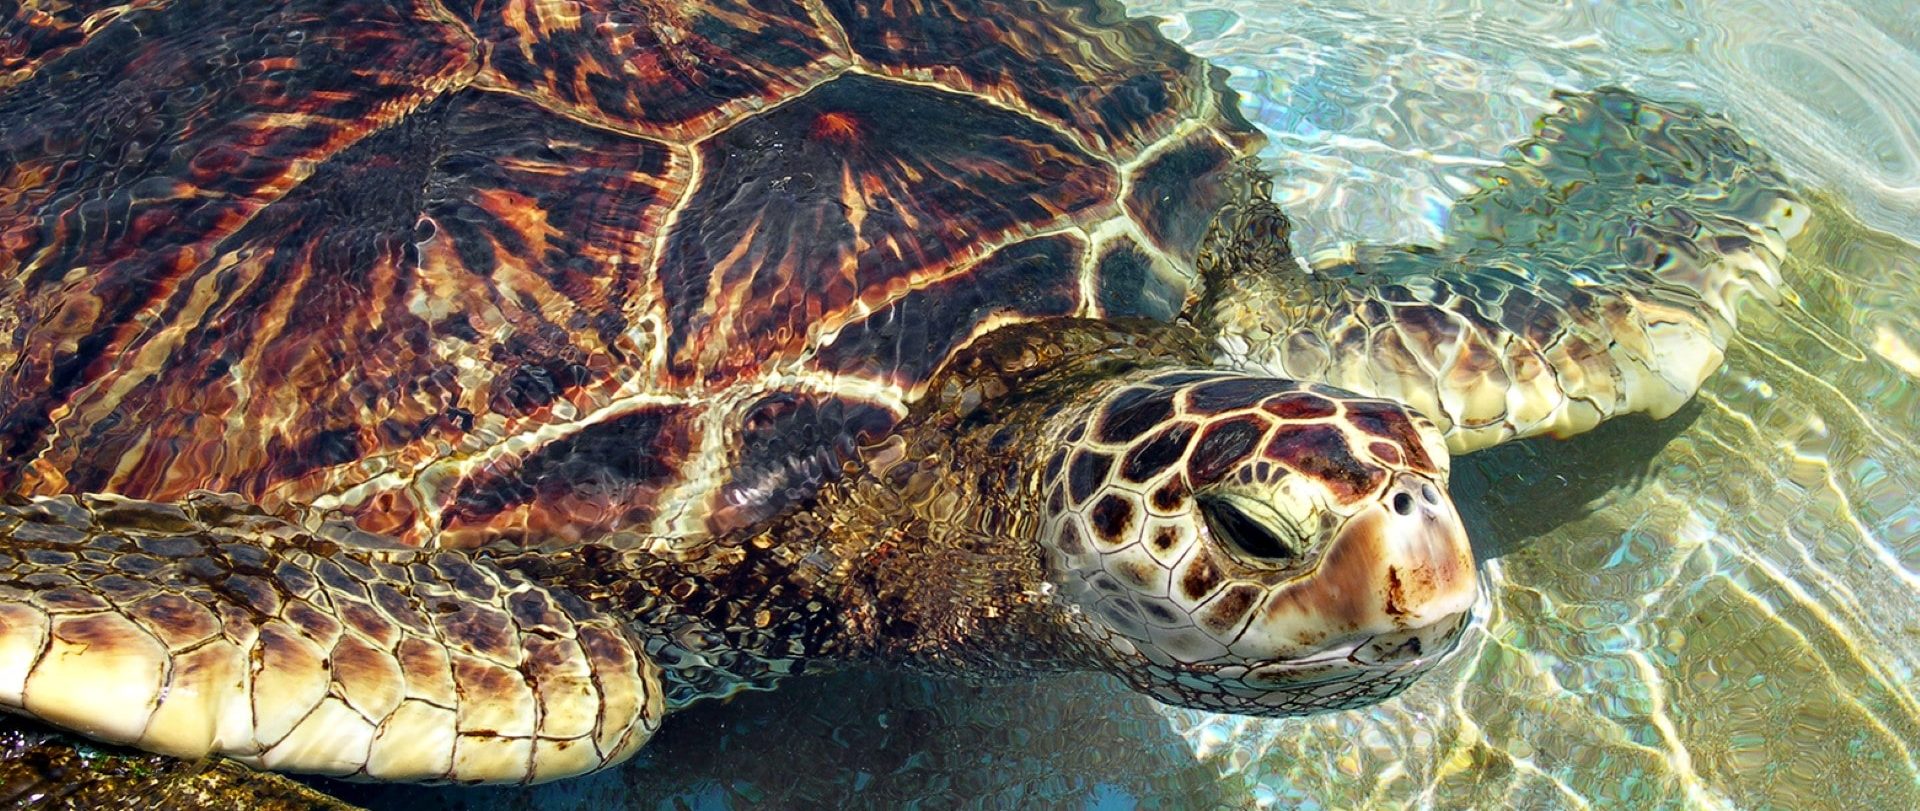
pixel 1598 272
pixel 210 628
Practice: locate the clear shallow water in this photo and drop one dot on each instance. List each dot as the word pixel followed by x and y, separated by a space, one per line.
pixel 1717 611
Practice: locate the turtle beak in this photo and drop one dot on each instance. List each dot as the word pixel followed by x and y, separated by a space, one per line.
pixel 1416 554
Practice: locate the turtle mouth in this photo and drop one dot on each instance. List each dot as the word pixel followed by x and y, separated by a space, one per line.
pixel 1411 649
pixel 1349 675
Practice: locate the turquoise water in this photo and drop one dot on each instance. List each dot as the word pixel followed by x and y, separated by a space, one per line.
pixel 1717 611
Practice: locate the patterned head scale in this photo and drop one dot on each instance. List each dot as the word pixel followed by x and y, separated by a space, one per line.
pixel 1257 545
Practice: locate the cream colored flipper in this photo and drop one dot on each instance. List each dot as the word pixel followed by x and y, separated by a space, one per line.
pixel 210 629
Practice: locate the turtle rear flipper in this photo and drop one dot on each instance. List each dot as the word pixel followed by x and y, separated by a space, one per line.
pixel 211 629
pixel 1597 272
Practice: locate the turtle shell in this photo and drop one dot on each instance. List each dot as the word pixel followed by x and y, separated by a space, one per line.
pixel 546 271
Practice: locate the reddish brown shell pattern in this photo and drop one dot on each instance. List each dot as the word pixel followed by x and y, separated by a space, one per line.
pixel 540 270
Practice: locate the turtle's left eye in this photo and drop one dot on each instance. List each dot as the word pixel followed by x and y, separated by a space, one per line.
pixel 1230 523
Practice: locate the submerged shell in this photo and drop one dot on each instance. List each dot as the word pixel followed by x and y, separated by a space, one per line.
pixel 512 275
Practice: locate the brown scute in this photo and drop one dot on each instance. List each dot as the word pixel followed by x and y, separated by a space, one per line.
pixel 479 628
pixel 70 599
pixel 1112 518
pixel 1228 610
pixel 177 621
pixel 1478 364
pixel 1159 613
pixel 1202 576
pixel 1086 473
pixel 317 623
pixel 1157 454
pixel 1138 574
pixel 1428 326
pixel 1069 540
pixel 114 587
pixel 1299 405
pixel 1056 463
pixel 424 666
pixel 332 575
pixel 1389 421
pixel 1176 194
pixel 794 232
pixel 1170 496
pixel 534 611
pixel 664 69
pixel 1164 539
pixel 107 631
pixel 1321 452
pixel 397 607
pixel 909 340
pixel 249 592
pixel 369 676
pixel 604 476
pixel 1223 445
pixel 1127 286
pixel 467 580
pixel 1386 451
pixel 178 150
pixel 789 446
pixel 368 621
pixel 1234 393
pixel 1134 412
pixel 1117 83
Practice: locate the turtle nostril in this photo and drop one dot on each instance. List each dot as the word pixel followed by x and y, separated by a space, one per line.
pixel 1403 503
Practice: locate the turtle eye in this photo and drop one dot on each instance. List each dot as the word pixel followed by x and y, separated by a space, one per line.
pixel 1253 537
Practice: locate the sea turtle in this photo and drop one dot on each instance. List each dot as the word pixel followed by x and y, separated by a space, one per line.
pixel 409 390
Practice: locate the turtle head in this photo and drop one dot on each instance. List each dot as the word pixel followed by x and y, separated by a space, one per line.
pixel 1254 545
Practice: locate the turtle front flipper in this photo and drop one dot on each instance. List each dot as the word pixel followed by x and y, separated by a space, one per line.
pixel 207 628
pixel 1597 272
